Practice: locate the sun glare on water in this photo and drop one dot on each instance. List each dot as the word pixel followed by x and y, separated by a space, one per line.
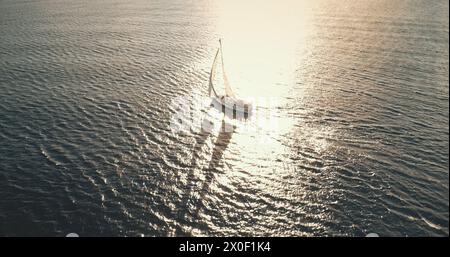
pixel 260 40
pixel 261 44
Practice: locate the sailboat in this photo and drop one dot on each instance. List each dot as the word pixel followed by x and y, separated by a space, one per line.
pixel 228 101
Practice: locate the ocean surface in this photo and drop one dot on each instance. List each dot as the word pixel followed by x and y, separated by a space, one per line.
pixel 353 140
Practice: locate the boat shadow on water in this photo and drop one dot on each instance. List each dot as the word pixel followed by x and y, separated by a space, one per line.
pixel 196 189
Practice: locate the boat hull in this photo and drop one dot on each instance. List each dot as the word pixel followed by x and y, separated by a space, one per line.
pixel 232 106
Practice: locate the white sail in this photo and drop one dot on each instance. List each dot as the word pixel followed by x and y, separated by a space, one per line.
pixel 212 75
pixel 228 91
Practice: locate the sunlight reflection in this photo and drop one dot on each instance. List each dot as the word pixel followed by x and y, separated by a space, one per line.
pixel 260 41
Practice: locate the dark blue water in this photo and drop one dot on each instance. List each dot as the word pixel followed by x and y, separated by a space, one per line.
pixel 360 145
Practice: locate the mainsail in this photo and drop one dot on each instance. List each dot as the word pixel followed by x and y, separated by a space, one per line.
pixel 212 75
pixel 228 91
